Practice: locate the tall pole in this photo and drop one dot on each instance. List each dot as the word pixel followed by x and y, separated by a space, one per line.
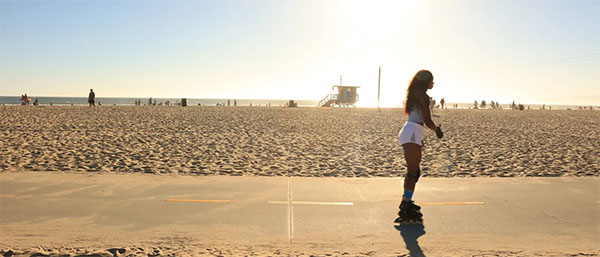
pixel 378 87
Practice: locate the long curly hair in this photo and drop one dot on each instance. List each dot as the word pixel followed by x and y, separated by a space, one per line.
pixel 417 89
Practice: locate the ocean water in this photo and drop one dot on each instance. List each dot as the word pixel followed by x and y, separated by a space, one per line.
pixel 67 101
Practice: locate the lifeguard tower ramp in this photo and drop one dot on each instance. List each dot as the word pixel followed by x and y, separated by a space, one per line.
pixel 346 96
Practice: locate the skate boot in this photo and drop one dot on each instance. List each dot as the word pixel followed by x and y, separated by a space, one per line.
pixel 409 213
pixel 410 205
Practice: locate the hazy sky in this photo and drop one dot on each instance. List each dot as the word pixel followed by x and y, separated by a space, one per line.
pixel 541 51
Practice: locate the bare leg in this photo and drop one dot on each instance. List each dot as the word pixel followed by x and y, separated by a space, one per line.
pixel 412 155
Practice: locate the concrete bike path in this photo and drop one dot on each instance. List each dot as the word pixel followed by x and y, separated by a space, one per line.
pixel 550 214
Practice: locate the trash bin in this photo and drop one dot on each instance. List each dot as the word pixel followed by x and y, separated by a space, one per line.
pixel 184 102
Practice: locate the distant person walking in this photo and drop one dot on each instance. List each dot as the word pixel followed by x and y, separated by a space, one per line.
pixel 416 107
pixel 92 98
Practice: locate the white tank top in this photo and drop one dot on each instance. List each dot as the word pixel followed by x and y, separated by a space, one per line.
pixel 416 115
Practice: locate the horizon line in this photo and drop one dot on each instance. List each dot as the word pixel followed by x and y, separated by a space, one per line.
pixel 266 99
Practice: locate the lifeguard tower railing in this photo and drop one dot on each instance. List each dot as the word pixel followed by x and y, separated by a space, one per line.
pixel 329 100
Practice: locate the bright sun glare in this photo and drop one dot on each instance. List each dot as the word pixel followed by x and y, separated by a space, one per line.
pixel 369 29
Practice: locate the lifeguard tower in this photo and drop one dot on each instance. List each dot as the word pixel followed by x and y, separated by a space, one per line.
pixel 346 96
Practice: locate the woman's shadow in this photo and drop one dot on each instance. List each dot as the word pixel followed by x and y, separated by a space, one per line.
pixel 410 233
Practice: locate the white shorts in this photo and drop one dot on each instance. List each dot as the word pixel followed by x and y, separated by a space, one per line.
pixel 411 133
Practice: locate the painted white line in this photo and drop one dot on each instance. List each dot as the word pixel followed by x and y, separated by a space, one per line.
pixel 454 203
pixel 290 214
pixel 197 201
pixel 312 203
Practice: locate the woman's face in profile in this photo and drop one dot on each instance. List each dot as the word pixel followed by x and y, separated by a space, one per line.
pixel 430 85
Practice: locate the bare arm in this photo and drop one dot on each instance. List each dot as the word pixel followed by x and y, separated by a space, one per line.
pixel 427 114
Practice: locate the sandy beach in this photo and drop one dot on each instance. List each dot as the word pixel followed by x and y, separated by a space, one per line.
pixel 308 142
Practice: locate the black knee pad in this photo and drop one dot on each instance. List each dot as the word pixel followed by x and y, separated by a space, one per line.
pixel 414 175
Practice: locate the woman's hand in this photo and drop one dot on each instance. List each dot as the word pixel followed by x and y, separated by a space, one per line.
pixel 439 132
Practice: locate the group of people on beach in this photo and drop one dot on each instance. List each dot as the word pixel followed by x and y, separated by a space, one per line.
pixel 483 105
pixel 25 100
pixel 229 103
pixel 591 108
pixel 153 102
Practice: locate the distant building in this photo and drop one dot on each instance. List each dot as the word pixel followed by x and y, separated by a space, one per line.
pixel 346 96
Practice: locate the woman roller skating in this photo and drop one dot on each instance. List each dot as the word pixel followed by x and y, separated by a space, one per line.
pixel 416 107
